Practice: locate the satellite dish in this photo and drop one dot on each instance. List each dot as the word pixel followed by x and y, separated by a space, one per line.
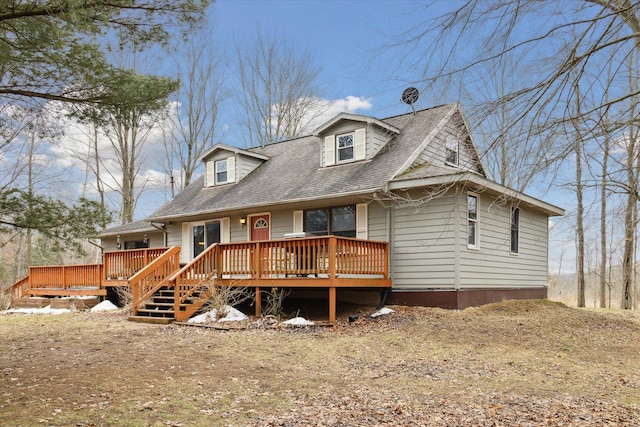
pixel 409 96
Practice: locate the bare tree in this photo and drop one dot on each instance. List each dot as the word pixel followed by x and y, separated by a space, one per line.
pixel 278 85
pixel 127 125
pixel 197 103
pixel 555 47
pixel 578 143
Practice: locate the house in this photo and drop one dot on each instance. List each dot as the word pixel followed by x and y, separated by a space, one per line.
pixel 415 182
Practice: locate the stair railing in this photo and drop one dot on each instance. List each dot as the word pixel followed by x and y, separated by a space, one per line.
pixel 154 276
pixel 20 288
pixel 194 275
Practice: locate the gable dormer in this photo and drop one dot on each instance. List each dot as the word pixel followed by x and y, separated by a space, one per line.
pixel 349 138
pixel 225 164
pixel 448 148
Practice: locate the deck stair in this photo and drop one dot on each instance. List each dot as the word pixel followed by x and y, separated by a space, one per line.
pixel 159 308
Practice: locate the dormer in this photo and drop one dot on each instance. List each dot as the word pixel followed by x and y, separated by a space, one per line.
pixel 349 138
pixel 225 164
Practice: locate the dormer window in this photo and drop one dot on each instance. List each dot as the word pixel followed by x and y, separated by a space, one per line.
pixel 221 172
pixel 345 147
pixel 451 151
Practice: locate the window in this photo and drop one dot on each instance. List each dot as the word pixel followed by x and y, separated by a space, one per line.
pixel 221 172
pixel 345 147
pixel 451 151
pixel 137 244
pixel 340 221
pixel 515 230
pixel 472 221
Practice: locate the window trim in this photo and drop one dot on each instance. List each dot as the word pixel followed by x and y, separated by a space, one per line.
pixel 475 221
pixel 514 226
pixel 353 147
pixel 226 171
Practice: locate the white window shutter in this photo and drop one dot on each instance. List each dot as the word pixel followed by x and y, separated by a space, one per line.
pixel 361 221
pixel 360 144
pixel 225 230
pixel 231 169
pixel 185 251
pixel 210 175
pixel 330 150
pixel 297 222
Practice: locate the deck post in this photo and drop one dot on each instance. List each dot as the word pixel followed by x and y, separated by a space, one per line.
pixel 258 301
pixel 332 305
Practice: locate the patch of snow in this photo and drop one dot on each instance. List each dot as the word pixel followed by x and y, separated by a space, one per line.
pixel 44 310
pixel 299 321
pixel 232 315
pixel 382 312
pixel 105 305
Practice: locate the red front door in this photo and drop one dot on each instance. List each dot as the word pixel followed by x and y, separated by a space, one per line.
pixel 260 227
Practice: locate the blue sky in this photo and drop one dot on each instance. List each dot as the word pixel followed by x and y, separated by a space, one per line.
pixel 344 37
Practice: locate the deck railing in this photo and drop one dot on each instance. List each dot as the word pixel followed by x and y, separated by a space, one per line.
pixel 65 276
pixel 152 277
pixel 122 265
pixel 324 257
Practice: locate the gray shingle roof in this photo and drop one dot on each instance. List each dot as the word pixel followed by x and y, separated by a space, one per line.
pixel 133 227
pixel 293 172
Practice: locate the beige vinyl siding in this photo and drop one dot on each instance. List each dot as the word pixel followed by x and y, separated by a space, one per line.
pixel 377 222
pixel 492 265
pixel 423 256
pixel 245 165
pixel 376 140
pixel 174 235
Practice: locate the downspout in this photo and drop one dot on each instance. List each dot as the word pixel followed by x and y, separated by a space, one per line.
pixel 457 235
pixel 390 239
pixel 162 228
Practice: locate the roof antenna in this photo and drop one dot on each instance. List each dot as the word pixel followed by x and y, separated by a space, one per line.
pixel 409 96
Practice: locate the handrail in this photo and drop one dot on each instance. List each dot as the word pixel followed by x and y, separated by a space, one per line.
pixel 154 276
pixel 191 277
pixel 20 288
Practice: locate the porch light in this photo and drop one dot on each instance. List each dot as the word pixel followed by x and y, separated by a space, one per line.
pixel 118 245
pixel 145 241
pixel 243 220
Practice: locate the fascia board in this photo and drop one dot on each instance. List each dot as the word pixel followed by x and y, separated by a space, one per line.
pixel 357 118
pixel 475 179
pixel 262 206
pixel 235 150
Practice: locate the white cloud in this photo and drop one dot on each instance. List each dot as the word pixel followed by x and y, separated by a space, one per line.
pixel 326 109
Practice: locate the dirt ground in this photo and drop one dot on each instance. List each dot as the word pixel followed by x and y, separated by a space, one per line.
pixel 527 363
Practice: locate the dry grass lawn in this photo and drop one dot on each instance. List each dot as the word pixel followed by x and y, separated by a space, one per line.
pixel 516 363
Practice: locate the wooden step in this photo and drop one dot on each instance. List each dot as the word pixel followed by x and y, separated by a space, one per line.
pixel 155 313
pixel 154 320
pixel 160 305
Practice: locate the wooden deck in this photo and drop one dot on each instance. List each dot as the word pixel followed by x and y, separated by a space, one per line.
pixel 328 262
